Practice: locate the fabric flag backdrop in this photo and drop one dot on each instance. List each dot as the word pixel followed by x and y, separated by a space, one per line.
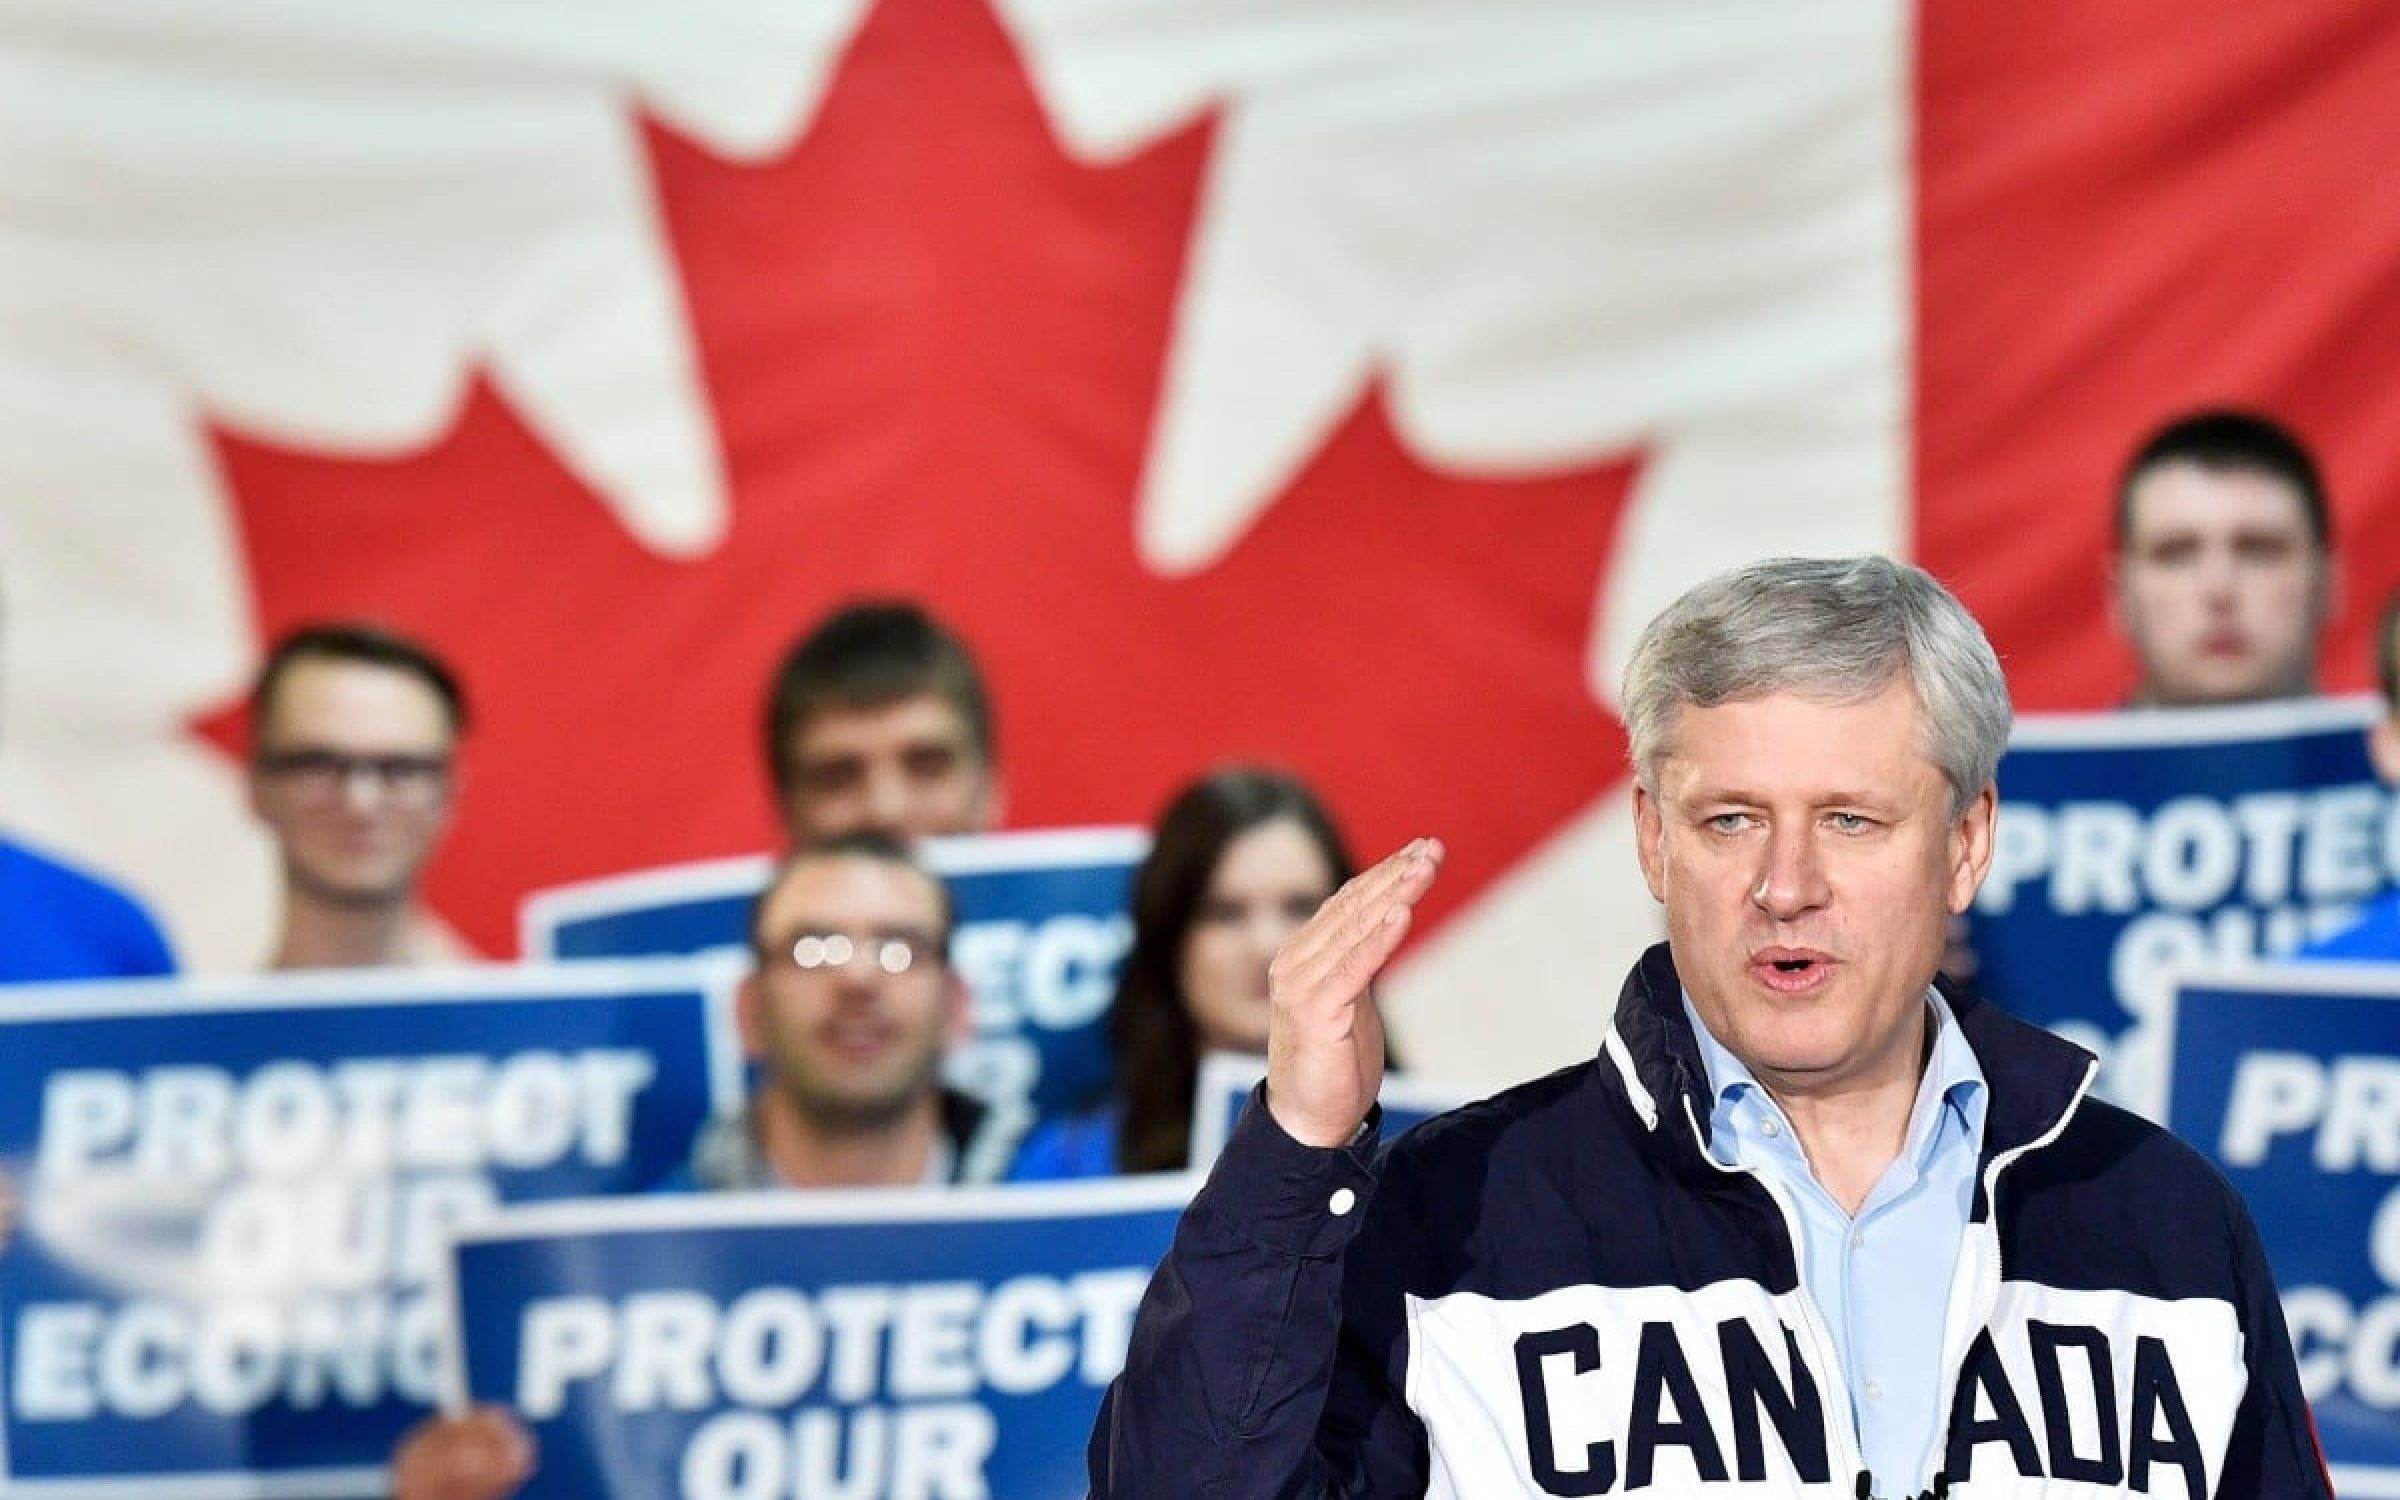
pixel 1337 382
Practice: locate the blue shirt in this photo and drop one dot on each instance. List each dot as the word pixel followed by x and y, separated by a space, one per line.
pixel 1072 1148
pixel 2373 938
pixel 1881 1280
pixel 58 923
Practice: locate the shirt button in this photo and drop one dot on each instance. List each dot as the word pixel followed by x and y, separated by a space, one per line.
pixel 1769 1128
pixel 1342 1201
pixel 1874 1391
pixel 1858 1240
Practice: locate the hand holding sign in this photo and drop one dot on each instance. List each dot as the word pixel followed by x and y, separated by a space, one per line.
pixel 1325 1034
pixel 891 1342
pixel 485 1455
pixel 233 1200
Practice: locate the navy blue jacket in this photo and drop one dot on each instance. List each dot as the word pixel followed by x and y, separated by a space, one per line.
pixel 1557 1291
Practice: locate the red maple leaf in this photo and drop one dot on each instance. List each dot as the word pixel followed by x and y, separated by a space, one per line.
pixel 933 346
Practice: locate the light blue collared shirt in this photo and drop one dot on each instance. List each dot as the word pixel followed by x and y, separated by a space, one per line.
pixel 1882 1280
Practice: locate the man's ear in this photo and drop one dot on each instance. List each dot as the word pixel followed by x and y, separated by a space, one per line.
pixel 1649 840
pixel 746 1020
pixel 961 1001
pixel 2331 590
pixel 1971 852
pixel 995 795
pixel 2383 746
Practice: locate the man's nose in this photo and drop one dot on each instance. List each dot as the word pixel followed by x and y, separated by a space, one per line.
pixel 1791 876
pixel 887 801
pixel 860 978
pixel 364 787
pixel 2219 570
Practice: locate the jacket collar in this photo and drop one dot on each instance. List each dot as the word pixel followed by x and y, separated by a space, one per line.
pixel 2035 1077
pixel 980 1143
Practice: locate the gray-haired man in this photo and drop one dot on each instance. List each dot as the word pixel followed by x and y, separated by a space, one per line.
pixel 1813 1223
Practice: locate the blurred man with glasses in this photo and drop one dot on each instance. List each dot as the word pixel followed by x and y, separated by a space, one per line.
pixel 353 743
pixel 846 1016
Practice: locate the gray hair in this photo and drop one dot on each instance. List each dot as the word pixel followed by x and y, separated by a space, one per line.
pixel 1837 630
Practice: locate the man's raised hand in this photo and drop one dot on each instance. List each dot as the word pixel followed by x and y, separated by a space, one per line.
pixel 1324 1034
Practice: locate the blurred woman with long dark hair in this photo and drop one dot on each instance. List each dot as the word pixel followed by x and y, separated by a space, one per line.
pixel 1238 861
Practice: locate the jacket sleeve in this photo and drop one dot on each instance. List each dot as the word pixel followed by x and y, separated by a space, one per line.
pixel 2274 1448
pixel 1242 1381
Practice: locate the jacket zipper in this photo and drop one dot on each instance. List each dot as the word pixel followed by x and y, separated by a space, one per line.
pixel 1959 1331
pixel 1842 1428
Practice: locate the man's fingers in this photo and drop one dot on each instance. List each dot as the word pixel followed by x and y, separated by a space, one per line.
pixel 1354 969
pixel 1352 912
pixel 1354 925
pixel 480 1456
pixel 1324 1038
pixel 1355 916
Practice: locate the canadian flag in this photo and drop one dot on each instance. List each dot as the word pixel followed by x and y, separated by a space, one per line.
pixel 1332 382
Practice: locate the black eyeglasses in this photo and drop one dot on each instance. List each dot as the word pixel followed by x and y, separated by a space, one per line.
pixel 324 776
pixel 891 950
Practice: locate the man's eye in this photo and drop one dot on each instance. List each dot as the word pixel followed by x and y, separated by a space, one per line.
pixel 928 762
pixel 1849 822
pixel 829 776
pixel 400 770
pixel 1729 822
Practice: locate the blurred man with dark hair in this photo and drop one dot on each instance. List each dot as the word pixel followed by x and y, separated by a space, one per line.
pixel 878 719
pixel 59 922
pixel 2224 572
pixel 353 748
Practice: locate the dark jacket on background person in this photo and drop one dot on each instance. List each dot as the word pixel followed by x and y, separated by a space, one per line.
pixel 979 1143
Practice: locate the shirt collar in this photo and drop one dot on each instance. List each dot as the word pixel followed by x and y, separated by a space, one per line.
pixel 1952 1081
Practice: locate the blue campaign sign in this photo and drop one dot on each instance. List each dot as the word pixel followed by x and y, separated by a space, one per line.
pixel 2288 1077
pixel 904 1344
pixel 233 1198
pixel 673 910
pixel 1227 1079
pixel 1042 929
pixel 2134 845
